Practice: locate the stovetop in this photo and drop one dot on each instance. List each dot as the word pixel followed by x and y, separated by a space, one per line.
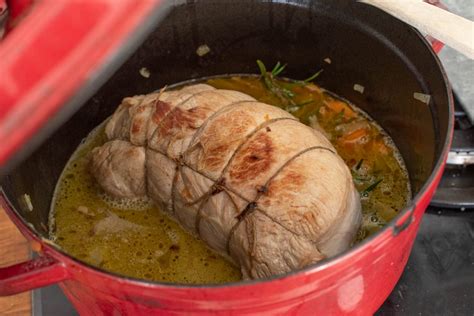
pixel 439 276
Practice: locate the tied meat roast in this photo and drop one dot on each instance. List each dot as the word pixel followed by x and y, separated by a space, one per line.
pixel 259 187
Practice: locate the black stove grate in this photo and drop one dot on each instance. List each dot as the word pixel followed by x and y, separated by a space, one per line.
pixel 456 189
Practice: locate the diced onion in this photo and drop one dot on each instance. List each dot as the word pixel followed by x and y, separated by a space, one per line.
pixel 27 201
pixel 359 88
pixel 144 72
pixel 425 98
pixel 203 50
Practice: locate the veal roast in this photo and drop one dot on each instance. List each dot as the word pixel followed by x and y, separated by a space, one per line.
pixel 248 178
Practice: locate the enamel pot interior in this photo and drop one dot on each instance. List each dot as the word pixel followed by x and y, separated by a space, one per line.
pixel 364 46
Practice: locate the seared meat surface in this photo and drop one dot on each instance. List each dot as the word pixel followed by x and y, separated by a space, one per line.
pixel 248 178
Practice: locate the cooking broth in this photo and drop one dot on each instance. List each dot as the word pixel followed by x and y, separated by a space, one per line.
pixel 134 238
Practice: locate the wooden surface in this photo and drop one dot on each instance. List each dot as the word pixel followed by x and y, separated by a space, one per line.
pixel 451 29
pixel 13 249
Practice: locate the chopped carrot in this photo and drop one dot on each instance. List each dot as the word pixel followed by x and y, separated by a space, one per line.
pixel 338 106
pixel 380 147
pixel 354 136
pixel 313 88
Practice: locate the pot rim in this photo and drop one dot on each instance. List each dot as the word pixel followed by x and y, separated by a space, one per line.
pixel 323 264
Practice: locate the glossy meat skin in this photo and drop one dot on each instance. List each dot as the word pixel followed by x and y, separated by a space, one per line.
pixel 255 184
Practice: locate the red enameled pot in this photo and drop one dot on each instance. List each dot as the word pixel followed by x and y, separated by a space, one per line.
pixel 353 43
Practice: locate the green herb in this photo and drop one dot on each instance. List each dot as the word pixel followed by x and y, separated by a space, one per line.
pixel 288 93
pixel 357 177
pixel 371 188
pixel 359 164
pixel 304 103
pixel 261 66
pixel 267 79
pixel 308 80
pixel 339 116
pixel 285 95
pixel 278 69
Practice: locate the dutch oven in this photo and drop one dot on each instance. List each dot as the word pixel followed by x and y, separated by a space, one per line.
pixel 353 43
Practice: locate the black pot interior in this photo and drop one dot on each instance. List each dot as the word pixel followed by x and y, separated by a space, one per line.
pixel 365 46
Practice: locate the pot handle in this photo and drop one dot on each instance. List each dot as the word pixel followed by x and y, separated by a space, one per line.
pixel 437 45
pixel 67 49
pixel 32 274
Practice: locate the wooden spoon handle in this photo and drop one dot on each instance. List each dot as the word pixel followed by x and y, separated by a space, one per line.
pixel 455 31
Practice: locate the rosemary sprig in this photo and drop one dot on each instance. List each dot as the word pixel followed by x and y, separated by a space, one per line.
pixel 358 177
pixel 308 80
pixel 359 164
pixel 267 79
pixel 288 93
pixel 278 69
pixel 261 66
pixel 285 95
pixel 304 103
pixel 279 90
pixel 370 188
